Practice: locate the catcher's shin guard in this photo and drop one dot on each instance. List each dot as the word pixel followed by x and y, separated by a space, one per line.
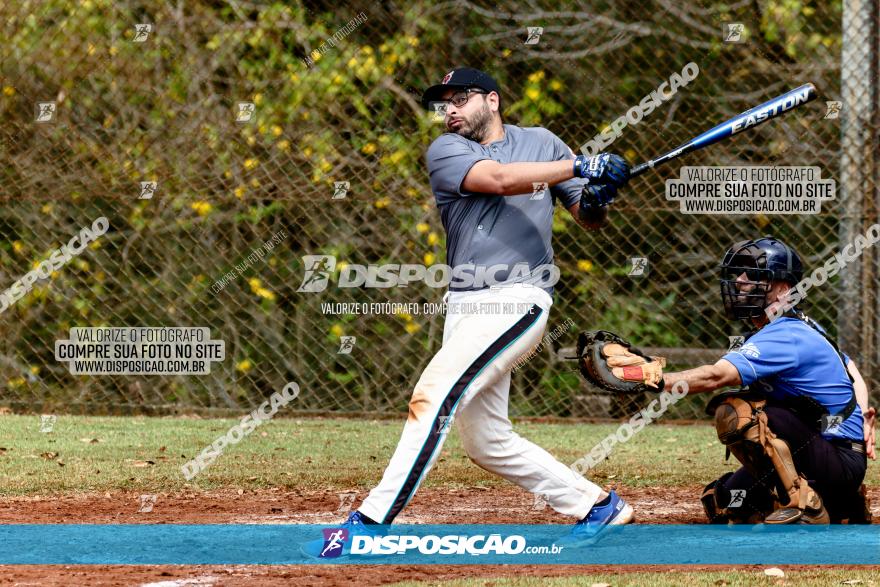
pixel 741 424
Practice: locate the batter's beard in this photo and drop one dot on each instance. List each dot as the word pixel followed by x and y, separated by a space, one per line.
pixel 478 127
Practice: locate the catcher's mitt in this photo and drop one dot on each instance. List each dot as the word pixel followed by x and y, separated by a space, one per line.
pixel 609 362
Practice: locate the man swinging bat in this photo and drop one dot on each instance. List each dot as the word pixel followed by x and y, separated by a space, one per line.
pixel 801 428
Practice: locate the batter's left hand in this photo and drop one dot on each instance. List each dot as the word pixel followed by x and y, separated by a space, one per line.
pixel 600 196
pixel 603 169
pixel 869 418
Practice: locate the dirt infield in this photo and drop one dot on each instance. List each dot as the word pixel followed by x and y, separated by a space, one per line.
pixel 442 506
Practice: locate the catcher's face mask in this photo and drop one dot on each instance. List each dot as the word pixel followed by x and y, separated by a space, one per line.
pixel 745 281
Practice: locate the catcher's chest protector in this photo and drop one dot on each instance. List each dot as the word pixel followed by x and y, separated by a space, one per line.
pixel 741 424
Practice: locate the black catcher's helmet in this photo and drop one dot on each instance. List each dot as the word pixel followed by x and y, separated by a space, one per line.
pixel 762 260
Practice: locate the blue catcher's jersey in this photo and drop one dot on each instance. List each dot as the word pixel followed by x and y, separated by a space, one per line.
pixel 793 359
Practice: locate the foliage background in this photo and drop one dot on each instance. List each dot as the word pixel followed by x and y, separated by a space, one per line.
pixel 164 110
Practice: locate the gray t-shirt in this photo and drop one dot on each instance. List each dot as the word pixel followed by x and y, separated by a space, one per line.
pixel 484 230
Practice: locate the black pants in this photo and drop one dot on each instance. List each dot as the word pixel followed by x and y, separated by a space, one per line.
pixel 836 473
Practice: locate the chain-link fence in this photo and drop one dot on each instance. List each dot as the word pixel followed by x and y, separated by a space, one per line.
pixel 203 130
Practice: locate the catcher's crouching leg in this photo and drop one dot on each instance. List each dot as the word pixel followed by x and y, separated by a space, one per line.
pixel 741 424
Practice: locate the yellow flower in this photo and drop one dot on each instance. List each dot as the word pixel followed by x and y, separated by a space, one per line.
pixel 244 366
pixel 308 151
pixel 261 129
pixel 630 154
pixel 429 258
pixel 506 53
pixel 412 41
pixel 412 327
pixel 258 99
pixel 46 208
pixel 227 174
pixel 405 315
pixel 536 77
pixel 251 141
pixel 352 63
pixel 283 145
pixel 382 202
pixel 336 330
pixel 337 80
pixel 255 182
pixel 201 208
pixel 384 139
pixel 533 93
pixel 585 265
pixel 326 165
pixel 17 246
pixel 265 293
pixel 367 49
pixel 250 163
pixel 9 90
pixel 556 85
pixel 276 130
pixel 340 266
pixel 412 192
pixel 368 149
pixel 239 191
pixel 433 239
pixel 254 283
pixel 397 156
pixel 423 227
pixel 35 370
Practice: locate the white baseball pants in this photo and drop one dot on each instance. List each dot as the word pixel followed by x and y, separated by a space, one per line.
pixel 468 382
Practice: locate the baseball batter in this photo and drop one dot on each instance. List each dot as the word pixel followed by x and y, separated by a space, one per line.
pixel 495 186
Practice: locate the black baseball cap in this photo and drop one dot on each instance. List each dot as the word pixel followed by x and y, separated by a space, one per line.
pixel 460 79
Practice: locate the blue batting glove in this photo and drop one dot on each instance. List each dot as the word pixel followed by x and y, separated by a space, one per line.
pixel 603 169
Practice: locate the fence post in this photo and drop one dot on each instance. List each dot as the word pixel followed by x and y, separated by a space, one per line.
pixel 859 189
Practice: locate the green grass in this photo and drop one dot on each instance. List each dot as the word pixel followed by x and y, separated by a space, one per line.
pixel 820 577
pixel 146 454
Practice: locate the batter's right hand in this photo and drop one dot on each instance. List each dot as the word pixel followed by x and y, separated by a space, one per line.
pixel 603 169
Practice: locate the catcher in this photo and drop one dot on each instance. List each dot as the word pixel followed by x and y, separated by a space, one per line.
pixel 801 427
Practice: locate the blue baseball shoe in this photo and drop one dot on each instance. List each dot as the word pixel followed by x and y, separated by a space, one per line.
pixel 337 541
pixel 614 513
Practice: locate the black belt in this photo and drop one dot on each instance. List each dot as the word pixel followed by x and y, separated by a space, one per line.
pixel 857 446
